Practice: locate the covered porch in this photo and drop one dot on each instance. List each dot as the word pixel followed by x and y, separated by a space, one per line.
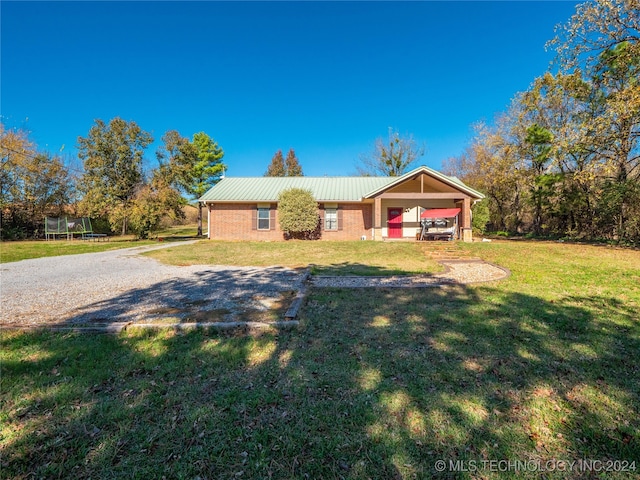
pixel 399 207
pixel 402 219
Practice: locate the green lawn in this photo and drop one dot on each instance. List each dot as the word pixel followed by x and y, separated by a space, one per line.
pixel 378 383
pixel 13 251
pixel 327 258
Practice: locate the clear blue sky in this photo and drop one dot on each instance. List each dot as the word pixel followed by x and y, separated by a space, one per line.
pixel 324 78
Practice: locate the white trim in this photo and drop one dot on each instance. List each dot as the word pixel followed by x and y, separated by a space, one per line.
pixel 268 219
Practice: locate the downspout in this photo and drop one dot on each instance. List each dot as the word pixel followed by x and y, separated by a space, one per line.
pixel 208 221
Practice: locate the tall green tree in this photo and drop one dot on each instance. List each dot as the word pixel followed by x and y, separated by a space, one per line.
pixel 392 157
pixel 112 158
pixel 539 140
pixel 191 166
pixel 207 169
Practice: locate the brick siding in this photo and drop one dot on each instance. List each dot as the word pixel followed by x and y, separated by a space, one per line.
pixel 236 222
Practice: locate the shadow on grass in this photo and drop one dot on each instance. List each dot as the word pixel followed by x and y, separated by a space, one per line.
pixel 200 296
pixel 360 269
pixel 179 238
pixel 376 383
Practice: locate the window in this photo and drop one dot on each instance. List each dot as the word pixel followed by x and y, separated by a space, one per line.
pixel 331 219
pixel 263 219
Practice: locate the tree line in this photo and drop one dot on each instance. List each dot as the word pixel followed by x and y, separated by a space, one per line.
pixel 564 159
pixel 112 186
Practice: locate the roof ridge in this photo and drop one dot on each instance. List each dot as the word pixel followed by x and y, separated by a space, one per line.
pixel 314 176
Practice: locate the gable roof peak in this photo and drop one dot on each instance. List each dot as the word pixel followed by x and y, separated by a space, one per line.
pixel 423 169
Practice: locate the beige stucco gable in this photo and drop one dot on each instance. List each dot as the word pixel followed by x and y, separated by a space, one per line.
pixel 420 189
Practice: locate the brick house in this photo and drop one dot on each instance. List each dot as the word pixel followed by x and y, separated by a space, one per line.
pixel 350 208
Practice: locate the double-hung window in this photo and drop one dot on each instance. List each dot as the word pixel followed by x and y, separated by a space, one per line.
pixel 331 219
pixel 264 218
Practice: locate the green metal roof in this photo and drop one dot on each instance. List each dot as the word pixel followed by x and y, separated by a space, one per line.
pixel 324 189
pixel 267 189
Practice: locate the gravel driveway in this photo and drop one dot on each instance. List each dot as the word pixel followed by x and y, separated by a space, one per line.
pixel 122 286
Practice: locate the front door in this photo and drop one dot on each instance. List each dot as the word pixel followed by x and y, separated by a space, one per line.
pixel 394 223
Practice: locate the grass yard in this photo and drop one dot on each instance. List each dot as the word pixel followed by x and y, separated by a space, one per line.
pixel 13 251
pixel 327 258
pixel 379 383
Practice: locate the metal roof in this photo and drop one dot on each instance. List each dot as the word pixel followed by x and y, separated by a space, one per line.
pixel 267 189
pixel 324 189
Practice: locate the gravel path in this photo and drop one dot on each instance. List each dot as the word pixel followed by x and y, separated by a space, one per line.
pixel 457 272
pixel 122 286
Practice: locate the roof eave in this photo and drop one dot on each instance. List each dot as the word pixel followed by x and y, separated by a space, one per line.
pixel 423 169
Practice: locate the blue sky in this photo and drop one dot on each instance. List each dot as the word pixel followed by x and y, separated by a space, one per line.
pixel 323 78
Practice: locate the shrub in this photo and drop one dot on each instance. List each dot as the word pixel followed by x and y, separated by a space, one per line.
pixel 480 217
pixel 298 214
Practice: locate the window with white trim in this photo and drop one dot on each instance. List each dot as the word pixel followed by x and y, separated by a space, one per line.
pixel 264 216
pixel 331 219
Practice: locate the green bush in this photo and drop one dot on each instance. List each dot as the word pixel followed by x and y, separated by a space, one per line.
pixel 480 217
pixel 298 214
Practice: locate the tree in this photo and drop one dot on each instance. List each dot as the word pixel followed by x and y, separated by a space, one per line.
pixel 597 26
pixel 291 165
pixel 603 39
pixel 32 185
pixel 276 167
pixel 152 202
pixel 207 170
pixel 15 146
pixel 492 165
pixel 560 105
pixel 280 167
pixel 176 157
pixel 392 157
pixel 191 166
pixel 112 159
pixel 539 139
pixel 566 156
pixel 298 213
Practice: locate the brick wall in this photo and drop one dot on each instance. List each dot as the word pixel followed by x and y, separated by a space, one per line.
pixel 237 222
pixel 356 222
